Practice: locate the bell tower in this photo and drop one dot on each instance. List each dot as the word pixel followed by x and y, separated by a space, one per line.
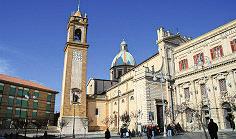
pixel 73 98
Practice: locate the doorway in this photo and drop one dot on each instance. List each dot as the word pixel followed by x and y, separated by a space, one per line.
pixel 160 121
pixel 227 114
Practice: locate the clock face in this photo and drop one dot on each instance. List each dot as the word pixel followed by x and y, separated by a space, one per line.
pixel 77 56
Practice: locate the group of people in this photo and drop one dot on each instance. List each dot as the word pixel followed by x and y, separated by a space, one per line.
pixel 124 133
pixel 212 129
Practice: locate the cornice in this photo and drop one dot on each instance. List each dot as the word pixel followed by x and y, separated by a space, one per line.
pixel 233 60
pixel 206 36
pixel 114 86
pixel 123 94
pixel 76 45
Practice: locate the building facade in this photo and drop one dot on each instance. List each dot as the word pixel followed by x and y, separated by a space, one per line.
pixel 199 77
pixel 205 71
pixel 25 100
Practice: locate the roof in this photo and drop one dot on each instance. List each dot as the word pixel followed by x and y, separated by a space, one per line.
pixel 123 57
pixel 15 80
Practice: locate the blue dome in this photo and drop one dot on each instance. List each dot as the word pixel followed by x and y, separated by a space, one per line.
pixel 123 57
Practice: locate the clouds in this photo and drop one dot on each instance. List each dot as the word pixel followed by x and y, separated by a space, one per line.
pixel 6 53
pixel 5 67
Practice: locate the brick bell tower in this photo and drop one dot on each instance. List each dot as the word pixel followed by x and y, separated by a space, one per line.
pixel 73 99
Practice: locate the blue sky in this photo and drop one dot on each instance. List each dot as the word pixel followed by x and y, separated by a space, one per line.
pixel 33 32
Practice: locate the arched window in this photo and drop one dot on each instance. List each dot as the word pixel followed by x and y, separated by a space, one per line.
pixel 77 35
pixel 123 101
pixel 132 98
pixel 115 103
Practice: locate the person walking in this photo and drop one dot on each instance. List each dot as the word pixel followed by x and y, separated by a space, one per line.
pixel 130 134
pixel 213 129
pixel 107 134
pixel 169 130
pixel 149 132
pixel 232 124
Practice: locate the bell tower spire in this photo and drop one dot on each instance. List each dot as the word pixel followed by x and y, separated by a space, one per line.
pixel 78 5
pixel 73 99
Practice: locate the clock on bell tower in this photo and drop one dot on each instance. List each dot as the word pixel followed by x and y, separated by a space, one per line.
pixel 73 99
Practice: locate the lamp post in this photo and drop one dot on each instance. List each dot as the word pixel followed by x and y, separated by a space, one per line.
pixel 139 113
pixel 162 79
pixel 118 95
pixel 75 100
pixel 74 123
pixel 27 97
pixel 200 62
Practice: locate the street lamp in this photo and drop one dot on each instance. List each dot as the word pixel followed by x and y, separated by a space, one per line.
pixel 118 95
pixel 139 113
pixel 200 62
pixel 75 100
pixel 161 76
pixel 27 97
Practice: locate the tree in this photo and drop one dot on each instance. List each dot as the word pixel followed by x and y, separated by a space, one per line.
pixel 40 124
pixel 109 120
pixel 62 124
pixel 196 112
pixel 125 118
pixel 85 125
pixel 18 124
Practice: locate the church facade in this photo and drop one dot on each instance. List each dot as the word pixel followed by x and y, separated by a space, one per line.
pixel 184 78
pixel 199 78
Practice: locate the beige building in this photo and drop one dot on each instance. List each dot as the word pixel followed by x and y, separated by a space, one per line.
pixel 134 92
pixel 205 71
pixel 187 76
pixel 200 75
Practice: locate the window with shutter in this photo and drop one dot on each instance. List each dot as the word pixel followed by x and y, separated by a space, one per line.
pixel 195 60
pixel 180 66
pixel 198 58
pixel 216 52
pixel 186 61
pixel 1 87
pixel 233 45
pixel 221 51
pixel 183 64
pixel 212 54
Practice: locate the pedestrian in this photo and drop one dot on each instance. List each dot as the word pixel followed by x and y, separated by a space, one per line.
pixel 127 134
pixel 169 130
pixel 45 135
pixel 213 129
pixel 121 133
pixel 130 134
pixel 149 133
pixel 107 134
pixel 133 133
pixel 232 124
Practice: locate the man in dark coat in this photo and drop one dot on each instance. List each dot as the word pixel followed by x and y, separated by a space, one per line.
pixel 107 134
pixel 149 132
pixel 213 129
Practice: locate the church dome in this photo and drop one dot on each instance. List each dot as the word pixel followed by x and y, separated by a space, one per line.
pixel 123 57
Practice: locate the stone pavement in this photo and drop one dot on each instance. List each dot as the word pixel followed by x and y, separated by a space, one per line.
pixel 192 135
pixel 197 135
pixel 225 134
